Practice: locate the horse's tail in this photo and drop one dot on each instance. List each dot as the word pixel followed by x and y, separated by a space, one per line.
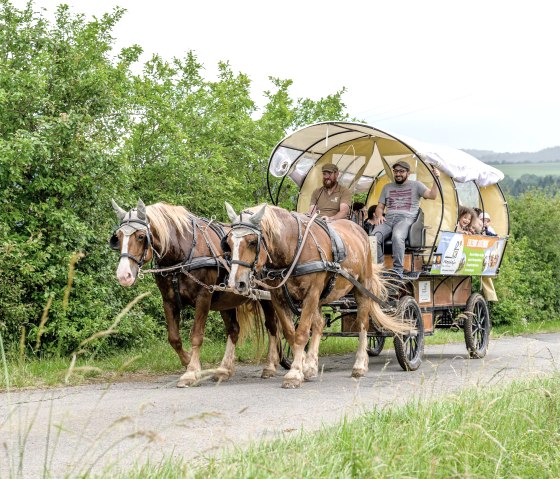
pixel 385 320
pixel 250 318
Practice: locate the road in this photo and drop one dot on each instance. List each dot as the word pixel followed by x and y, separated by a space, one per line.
pixel 72 430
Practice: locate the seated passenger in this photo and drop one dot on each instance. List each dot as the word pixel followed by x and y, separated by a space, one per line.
pixel 331 201
pixel 369 222
pixel 402 199
pixel 476 222
pixel 466 216
pixel 487 229
pixel 358 212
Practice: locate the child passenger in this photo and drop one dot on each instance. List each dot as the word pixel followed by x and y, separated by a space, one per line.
pixel 466 216
pixel 476 223
pixel 487 229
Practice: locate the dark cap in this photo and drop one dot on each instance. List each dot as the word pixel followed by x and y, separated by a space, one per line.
pixel 330 167
pixel 402 164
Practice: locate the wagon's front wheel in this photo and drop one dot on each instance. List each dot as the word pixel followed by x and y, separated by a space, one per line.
pixel 410 348
pixel 476 326
pixel 375 345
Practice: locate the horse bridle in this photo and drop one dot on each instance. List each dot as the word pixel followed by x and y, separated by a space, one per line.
pixel 253 229
pixel 144 226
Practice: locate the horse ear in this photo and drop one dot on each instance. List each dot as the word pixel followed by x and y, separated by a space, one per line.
pixel 118 210
pixel 141 210
pixel 257 217
pixel 231 212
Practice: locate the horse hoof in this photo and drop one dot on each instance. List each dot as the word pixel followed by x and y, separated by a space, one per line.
pixel 187 380
pixel 358 373
pixel 268 373
pixel 291 384
pixel 309 373
pixel 222 374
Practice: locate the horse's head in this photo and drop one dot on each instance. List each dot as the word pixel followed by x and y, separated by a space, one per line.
pixel 133 240
pixel 245 241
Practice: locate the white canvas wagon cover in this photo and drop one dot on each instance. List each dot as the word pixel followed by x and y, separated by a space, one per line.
pixel 298 152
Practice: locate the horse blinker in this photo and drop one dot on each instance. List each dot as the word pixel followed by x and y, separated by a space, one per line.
pixel 224 245
pixel 114 242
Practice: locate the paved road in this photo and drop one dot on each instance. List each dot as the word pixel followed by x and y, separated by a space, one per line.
pixel 96 426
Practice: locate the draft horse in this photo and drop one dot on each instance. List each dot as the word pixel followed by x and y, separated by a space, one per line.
pixel 265 242
pixel 187 258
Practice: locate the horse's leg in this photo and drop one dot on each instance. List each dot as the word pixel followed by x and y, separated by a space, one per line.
pixel 202 307
pixel 227 366
pixel 173 317
pixel 361 363
pixel 292 379
pixel 295 376
pixel 311 365
pixel 273 358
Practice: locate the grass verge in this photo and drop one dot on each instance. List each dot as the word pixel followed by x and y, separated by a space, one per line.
pixel 158 358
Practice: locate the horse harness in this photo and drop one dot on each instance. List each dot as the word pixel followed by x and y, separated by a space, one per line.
pixel 339 254
pixel 334 266
pixel 338 249
pixel 133 224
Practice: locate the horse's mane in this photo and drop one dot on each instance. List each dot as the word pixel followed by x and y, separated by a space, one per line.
pixel 271 222
pixel 162 217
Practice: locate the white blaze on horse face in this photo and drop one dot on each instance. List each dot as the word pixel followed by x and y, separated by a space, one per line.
pixel 234 255
pixel 238 276
pixel 124 272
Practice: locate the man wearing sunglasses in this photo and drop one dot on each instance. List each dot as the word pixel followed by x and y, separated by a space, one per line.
pixel 399 201
pixel 331 201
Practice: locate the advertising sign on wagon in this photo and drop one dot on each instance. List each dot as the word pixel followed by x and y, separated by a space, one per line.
pixel 459 254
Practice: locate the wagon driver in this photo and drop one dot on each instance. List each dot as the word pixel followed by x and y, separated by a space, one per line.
pixel 332 200
pixel 400 202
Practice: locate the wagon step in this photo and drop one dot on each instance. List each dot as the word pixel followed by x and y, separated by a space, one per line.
pixel 410 275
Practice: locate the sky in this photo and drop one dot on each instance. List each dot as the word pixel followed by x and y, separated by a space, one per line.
pixel 482 74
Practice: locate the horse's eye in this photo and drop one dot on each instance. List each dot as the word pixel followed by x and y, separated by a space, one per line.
pixel 252 243
pixel 140 237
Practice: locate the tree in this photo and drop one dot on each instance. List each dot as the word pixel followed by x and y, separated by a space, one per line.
pixel 78 128
pixel 64 112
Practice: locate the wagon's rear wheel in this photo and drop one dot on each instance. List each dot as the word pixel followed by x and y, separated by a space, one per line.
pixel 476 326
pixel 410 348
pixel 375 345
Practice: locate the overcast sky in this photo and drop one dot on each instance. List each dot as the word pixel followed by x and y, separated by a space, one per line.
pixel 480 74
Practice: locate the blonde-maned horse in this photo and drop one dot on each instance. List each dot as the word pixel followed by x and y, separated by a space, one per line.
pixel 187 251
pixel 263 243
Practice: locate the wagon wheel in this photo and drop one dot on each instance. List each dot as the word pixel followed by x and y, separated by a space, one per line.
pixel 375 345
pixel 410 348
pixel 476 326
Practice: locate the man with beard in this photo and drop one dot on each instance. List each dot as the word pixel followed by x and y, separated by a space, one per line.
pixel 401 200
pixel 332 201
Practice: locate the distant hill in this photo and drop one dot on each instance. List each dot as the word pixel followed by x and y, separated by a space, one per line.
pixel 547 155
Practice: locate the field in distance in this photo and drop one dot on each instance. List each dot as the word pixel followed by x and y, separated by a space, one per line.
pixel 517 170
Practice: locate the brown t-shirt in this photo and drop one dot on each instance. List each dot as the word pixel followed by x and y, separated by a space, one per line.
pixel 329 205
